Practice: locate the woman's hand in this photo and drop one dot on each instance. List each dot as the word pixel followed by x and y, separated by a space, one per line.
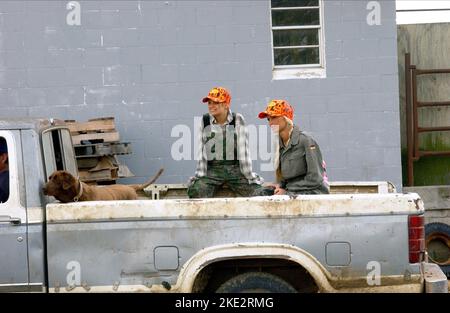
pixel 279 191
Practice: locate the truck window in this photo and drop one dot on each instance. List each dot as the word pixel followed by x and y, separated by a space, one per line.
pixel 58 151
pixel 4 171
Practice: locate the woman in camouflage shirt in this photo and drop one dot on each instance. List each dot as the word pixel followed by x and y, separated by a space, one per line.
pixel 300 168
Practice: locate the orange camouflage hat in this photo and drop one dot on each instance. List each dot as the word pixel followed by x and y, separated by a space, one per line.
pixel 218 94
pixel 278 108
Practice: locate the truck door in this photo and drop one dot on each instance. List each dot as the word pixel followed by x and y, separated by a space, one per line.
pixel 13 222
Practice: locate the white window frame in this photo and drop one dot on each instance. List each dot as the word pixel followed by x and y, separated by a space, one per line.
pixel 422 12
pixel 304 71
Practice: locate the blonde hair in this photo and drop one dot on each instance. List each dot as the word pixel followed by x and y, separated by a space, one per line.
pixel 277 163
pixel 289 121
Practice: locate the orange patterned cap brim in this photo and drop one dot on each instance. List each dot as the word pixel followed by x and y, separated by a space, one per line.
pixel 278 108
pixel 218 94
pixel 205 99
pixel 265 114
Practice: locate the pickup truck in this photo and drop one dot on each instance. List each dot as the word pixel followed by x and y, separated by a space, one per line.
pixel 368 240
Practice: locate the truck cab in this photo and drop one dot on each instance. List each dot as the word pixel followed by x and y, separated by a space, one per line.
pixel 36 148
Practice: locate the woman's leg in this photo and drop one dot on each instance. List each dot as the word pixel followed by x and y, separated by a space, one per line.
pixel 203 187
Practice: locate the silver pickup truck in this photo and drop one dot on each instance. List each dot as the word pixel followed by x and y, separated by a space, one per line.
pixel 363 240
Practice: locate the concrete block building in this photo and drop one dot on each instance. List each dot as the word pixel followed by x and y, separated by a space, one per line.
pixel 149 63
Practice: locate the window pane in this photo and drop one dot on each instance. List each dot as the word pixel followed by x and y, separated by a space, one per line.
pixel 49 153
pixel 294 3
pixel 295 37
pixel 70 164
pixel 296 56
pixel 4 172
pixel 295 17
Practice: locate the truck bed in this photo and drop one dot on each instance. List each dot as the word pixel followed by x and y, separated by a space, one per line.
pixel 143 243
pixel 264 207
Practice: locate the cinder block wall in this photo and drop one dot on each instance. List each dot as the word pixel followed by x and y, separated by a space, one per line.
pixel 148 63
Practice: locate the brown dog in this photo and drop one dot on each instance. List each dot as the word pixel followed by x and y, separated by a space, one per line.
pixel 66 188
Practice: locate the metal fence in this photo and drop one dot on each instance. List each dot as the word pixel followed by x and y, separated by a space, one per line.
pixel 412 116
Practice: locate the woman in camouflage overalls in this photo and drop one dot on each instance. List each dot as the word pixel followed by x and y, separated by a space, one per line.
pixel 224 151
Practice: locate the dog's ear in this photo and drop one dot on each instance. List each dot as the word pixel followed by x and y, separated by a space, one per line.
pixel 68 181
pixel 66 185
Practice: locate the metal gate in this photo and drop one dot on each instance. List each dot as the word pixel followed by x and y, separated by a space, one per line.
pixel 412 116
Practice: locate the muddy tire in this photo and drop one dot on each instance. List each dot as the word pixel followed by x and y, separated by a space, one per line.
pixel 437 241
pixel 256 282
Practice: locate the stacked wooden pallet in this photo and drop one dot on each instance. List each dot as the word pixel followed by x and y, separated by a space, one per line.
pixel 97 144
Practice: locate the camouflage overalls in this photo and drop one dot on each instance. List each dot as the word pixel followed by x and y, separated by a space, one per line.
pixel 222 169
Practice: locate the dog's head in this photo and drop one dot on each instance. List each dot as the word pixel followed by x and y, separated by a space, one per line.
pixel 61 185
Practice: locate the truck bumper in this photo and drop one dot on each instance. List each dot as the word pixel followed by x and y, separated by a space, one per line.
pixel 435 279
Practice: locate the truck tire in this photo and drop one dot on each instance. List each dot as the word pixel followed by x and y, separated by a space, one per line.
pixel 437 241
pixel 256 282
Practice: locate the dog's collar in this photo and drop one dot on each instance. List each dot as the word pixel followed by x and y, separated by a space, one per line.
pixel 77 197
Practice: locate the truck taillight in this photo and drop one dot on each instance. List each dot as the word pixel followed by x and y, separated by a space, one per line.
pixel 416 230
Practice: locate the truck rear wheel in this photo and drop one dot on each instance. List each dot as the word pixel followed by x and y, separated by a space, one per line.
pixel 256 282
pixel 437 240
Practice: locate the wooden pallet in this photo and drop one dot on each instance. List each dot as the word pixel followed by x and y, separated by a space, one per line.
pixel 98 176
pixel 87 163
pixel 106 168
pixel 105 124
pixel 94 130
pixel 96 144
pixel 102 149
